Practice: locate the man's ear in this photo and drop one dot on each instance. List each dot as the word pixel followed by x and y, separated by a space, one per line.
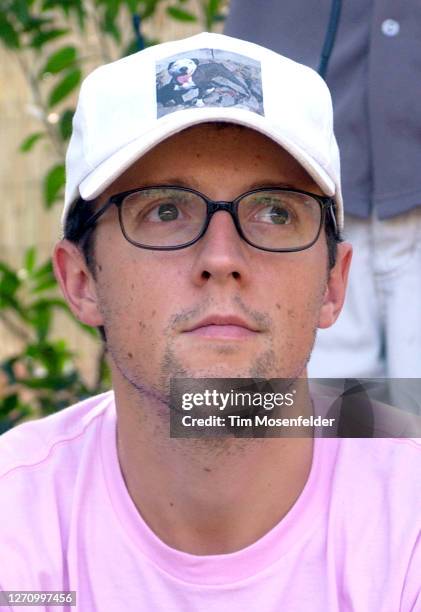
pixel 77 283
pixel 336 287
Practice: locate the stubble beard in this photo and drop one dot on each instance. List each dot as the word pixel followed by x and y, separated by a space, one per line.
pixel 152 399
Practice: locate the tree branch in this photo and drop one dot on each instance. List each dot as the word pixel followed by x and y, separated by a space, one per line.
pixel 39 102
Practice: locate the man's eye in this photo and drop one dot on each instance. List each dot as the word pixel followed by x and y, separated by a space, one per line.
pixel 168 212
pixel 164 212
pixel 278 215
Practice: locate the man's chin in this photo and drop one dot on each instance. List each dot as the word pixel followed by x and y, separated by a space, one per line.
pixel 220 360
pixel 229 370
pixel 263 364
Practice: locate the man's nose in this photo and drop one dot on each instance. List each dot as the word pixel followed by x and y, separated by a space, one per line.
pixel 221 254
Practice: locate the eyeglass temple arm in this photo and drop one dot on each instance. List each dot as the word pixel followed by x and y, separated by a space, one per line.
pixel 93 218
pixel 331 208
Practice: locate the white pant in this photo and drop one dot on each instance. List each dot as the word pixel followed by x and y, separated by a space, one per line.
pixel 378 333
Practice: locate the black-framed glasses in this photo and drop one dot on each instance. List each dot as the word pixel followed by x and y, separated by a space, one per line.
pixel 168 217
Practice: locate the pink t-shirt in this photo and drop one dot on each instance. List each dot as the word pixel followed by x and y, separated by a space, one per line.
pixel 67 522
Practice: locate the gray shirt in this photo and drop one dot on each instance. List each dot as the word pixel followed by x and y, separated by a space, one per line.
pixel 374 75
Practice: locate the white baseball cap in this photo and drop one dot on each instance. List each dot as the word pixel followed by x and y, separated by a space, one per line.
pixel 129 106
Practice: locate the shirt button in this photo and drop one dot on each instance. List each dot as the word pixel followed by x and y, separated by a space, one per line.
pixel 390 27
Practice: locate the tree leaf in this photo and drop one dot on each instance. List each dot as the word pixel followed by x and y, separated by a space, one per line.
pixel 213 7
pixel 7 33
pixel 41 38
pixel 9 403
pixel 61 59
pixel 150 8
pixel 67 7
pixel 29 141
pixel 110 17
pixel 35 23
pixel 66 85
pixel 20 11
pixel 53 184
pixel 212 13
pixel 30 259
pixel 44 285
pixel 133 5
pixel 45 270
pixel 65 125
pixel 50 303
pixel 9 284
pixel 180 14
pixel 43 278
pixel 41 320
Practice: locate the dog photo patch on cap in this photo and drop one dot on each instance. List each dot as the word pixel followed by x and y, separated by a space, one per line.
pixel 208 77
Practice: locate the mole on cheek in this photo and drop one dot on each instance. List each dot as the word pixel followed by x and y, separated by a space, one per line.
pixel 278 306
pixel 153 313
pixel 142 325
pixel 130 355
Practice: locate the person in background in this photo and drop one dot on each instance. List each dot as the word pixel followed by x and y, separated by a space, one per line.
pixel 374 74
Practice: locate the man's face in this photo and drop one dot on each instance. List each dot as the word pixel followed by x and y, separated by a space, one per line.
pixel 154 304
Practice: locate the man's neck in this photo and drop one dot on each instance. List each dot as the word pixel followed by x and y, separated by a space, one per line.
pixel 207 496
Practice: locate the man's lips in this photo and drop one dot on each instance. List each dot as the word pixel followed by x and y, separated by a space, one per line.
pixel 222 327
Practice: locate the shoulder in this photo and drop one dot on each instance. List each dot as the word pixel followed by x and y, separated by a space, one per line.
pixel 376 489
pixel 375 509
pixel 42 466
pixel 383 456
pixel 35 443
pixel 41 462
pixel 381 464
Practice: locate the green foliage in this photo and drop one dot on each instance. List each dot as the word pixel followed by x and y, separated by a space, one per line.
pixel 64 87
pixel 61 59
pixel 180 14
pixel 41 38
pixel 41 377
pixel 29 141
pixel 7 33
pixel 65 124
pixel 54 183
pixel 213 13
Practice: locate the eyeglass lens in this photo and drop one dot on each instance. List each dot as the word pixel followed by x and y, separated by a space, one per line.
pixel 165 217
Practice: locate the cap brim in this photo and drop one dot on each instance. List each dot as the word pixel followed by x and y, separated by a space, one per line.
pixel 110 169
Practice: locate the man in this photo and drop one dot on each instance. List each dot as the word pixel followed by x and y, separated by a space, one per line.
pixel 201 237
pixel 378 125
